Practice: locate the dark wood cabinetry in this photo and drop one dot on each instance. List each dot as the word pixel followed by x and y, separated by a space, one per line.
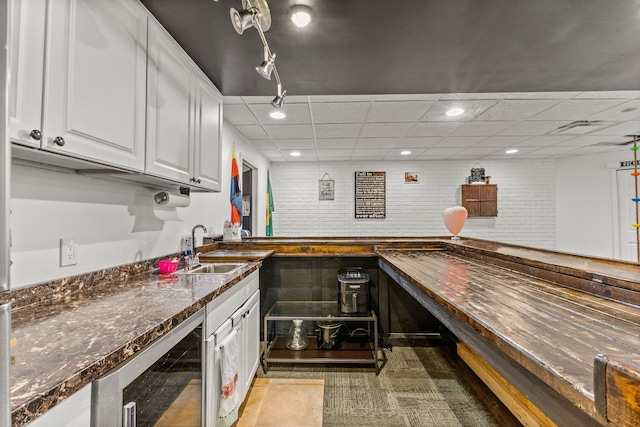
pixel 480 199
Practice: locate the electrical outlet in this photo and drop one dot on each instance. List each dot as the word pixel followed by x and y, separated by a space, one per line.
pixel 68 251
pixel 185 243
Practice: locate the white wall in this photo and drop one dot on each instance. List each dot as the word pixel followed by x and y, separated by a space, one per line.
pixel 526 200
pixel 113 220
pixel 585 201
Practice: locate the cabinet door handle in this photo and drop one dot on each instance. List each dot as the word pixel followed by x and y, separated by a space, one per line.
pixel 36 134
pixel 59 141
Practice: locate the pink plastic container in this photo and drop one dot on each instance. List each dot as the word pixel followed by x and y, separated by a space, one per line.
pixel 168 266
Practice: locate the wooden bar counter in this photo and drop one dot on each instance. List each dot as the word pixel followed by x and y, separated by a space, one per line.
pixel 556 334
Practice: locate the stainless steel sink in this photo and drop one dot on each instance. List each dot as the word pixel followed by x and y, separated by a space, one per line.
pixel 212 268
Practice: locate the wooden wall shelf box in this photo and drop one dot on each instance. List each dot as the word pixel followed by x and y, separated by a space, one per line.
pixel 480 199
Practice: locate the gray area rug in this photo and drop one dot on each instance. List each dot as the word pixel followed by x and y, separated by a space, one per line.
pixel 417 387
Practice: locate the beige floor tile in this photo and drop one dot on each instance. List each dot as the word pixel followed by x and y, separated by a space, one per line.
pixel 185 410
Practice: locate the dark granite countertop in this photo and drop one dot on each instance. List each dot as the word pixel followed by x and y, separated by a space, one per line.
pixel 62 345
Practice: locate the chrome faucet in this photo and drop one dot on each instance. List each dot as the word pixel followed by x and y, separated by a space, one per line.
pixel 196 256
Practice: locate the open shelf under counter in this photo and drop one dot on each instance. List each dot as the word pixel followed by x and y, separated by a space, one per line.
pixel 353 349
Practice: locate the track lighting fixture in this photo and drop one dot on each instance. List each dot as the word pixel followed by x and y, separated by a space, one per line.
pixel 279 99
pixel 256 13
pixel 266 68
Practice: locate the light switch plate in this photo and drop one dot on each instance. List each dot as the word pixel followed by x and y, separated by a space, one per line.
pixel 68 251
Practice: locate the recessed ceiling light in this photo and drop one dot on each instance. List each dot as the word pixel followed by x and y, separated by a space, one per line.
pixel 294 154
pixel 301 15
pixel 405 152
pixel 456 111
pixel 278 115
pixel 511 151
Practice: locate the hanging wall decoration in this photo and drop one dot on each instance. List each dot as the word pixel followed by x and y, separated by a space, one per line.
pixel 636 199
pixel 370 195
pixel 411 177
pixel 326 188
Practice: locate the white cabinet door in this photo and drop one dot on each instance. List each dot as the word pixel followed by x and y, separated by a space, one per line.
pixel 169 108
pixel 252 339
pixel 206 162
pixel 94 88
pixel 27 67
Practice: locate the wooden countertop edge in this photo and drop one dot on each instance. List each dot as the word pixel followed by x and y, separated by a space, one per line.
pixel 560 384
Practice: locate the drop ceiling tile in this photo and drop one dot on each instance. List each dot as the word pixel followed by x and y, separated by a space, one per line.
pixel 272 154
pixel 227 100
pixel 351 130
pixel 549 151
pixel 295 144
pixel 369 152
pixel 433 129
pixel 472 108
pixel 459 141
pixel 482 128
pixel 517 109
pixel 540 95
pixel 482 151
pixel 398 111
pixel 575 109
pixel 335 143
pixel 334 154
pixel 443 151
pixel 629 110
pixel 631 127
pixel 376 143
pixel 502 141
pixel 263 144
pixel 239 114
pixel 601 149
pixel 381 130
pixel 590 140
pixel 339 112
pixel 289 131
pixel 305 156
pixel 408 97
pixel 296 113
pixel 471 96
pixel 624 94
pixel 340 98
pixel 252 131
pixel 533 128
pixel 427 157
pixel 418 142
pixel 543 141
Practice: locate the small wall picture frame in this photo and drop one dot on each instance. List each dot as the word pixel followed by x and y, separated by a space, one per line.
pixel 326 188
pixel 411 177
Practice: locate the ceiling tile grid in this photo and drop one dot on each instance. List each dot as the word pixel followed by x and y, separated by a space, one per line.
pixel 380 127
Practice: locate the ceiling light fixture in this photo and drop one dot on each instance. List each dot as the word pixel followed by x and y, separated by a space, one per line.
pixel 456 111
pixel 256 13
pixel 511 151
pixel 301 15
pixel 279 99
pixel 295 154
pixel 266 68
pixel 405 152
pixel 278 115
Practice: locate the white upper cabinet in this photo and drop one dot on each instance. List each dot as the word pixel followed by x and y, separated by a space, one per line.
pixel 184 116
pixel 170 118
pixel 27 68
pixel 102 85
pixel 208 136
pixel 94 89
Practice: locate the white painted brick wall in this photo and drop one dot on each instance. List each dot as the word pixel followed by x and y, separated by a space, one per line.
pixel 526 200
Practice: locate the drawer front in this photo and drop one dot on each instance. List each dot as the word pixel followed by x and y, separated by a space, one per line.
pixel 223 307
